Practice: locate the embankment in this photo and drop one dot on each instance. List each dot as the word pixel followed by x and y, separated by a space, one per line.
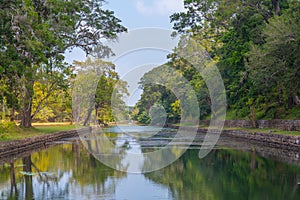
pixel 11 148
pixel 281 124
pixel 283 141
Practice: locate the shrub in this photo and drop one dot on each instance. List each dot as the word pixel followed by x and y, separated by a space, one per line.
pixel 5 128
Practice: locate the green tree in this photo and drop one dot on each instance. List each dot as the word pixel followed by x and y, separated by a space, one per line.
pixel 227 30
pixel 166 88
pixel 35 34
pixel 275 66
pixel 110 89
pixel 54 106
pixel 154 95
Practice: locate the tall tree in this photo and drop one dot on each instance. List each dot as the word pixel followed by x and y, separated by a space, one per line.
pixel 35 34
pixel 106 99
pixel 227 29
pixel 167 94
pixel 52 106
pixel 275 66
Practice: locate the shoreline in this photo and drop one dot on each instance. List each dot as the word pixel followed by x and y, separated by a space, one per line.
pixel 283 141
pixel 14 147
pixel 279 141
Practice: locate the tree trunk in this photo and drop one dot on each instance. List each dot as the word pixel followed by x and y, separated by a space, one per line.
pixel 96 118
pixel 26 117
pixel 293 101
pixel 3 108
pixel 253 117
pixel 90 110
pixel 12 114
pixel 87 119
pixel 276 7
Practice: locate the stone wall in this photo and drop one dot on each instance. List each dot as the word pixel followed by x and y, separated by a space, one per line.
pixel 287 125
pixel 285 152
pixel 273 140
pixel 10 148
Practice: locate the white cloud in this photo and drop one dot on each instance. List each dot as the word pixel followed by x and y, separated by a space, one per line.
pixel 159 7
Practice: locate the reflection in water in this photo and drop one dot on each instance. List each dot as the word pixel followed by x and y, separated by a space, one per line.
pixel 69 171
pixel 120 148
pixel 28 178
pixel 229 174
pixel 13 185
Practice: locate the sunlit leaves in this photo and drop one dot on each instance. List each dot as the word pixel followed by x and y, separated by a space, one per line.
pixel 35 35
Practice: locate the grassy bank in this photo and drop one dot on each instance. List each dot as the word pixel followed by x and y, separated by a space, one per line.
pixel 253 130
pixel 265 130
pixel 291 114
pixel 16 132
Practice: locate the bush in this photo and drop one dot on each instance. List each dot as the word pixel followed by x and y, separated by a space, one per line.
pixel 144 118
pixel 6 127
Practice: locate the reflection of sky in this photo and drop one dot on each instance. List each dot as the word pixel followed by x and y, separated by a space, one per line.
pixel 139 14
pixel 133 187
pixel 147 189
pixel 66 181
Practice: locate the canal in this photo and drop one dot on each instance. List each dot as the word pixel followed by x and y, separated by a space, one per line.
pixel 68 170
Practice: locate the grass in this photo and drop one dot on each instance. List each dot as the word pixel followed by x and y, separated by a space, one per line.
pixel 38 129
pixel 45 128
pixel 266 130
pixel 184 124
pixel 291 114
pixel 48 128
pixel 261 130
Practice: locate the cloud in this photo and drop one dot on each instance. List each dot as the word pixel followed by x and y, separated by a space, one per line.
pixel 159 7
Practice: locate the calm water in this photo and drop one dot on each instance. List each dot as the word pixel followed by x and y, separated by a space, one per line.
pixel 69 171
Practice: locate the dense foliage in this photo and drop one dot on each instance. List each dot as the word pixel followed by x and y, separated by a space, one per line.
pixel 107 104
pixel 256 47
pixel 34 35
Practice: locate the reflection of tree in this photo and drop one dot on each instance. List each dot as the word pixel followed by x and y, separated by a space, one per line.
pixel 156 158
pixel 13 187
pixel 28 179
pixel 229 174
pixel 9 179
pixel 103 147
pixel 92 172
pixel 253 160
pixel 51 168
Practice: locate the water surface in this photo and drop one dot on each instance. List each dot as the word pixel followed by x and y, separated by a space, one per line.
pixel 68 171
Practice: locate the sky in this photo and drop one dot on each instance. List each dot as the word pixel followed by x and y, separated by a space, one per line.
pixel 145 13
pixel 138 14
pixel 147 21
